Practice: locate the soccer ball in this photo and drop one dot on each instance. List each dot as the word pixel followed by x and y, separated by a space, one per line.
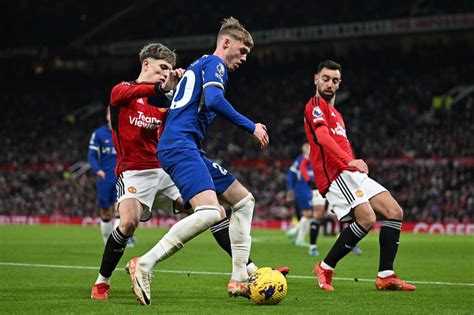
pixel 267 286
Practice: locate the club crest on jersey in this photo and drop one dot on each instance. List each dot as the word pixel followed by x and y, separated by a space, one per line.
pixel 359 193
pixel 132 190
pixel 220 71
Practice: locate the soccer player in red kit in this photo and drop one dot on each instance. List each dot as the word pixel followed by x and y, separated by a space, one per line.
pixel 343 180
pixel 136 128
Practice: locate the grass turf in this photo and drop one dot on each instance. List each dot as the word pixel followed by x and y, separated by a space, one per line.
pixel 48 289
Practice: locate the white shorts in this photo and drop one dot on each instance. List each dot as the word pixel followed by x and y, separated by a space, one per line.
pixel 318 199
pixel 146 186
pixel 349 190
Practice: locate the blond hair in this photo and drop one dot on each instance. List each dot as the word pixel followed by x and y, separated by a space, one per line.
pixel 232 27
pixel 159 52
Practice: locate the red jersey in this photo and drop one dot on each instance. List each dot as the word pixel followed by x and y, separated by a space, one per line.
pixel 136 126
pixel 326 165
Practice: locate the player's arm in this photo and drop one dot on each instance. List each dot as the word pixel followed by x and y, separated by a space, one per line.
pixel 125 91
pixel 316 119
pixel 215 101
pixel 93 156
pixel 290 183
pixel 168 88
pixel 328 143
pixel 304 169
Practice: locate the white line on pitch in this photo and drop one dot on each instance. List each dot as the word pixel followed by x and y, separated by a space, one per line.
pixel 216 273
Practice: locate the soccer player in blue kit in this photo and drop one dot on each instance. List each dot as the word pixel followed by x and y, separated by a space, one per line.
pixel 202 183
pixel 102 157
pixel 301 194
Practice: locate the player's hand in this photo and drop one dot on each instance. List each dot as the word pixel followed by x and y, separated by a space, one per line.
pixel 360 165
pixel 261 135
pixel 172 79
pixel 290 196
pixel 101 174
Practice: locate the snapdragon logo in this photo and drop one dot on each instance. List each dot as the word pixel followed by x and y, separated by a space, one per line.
pixel 146 122
pixel 339 130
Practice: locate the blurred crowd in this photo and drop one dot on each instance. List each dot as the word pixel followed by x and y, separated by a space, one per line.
pixel 86 23
pixel 412 146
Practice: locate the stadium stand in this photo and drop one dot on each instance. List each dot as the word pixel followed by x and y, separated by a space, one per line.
pixel 394 98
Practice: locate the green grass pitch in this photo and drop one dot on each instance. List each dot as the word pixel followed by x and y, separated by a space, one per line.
pixel 51 269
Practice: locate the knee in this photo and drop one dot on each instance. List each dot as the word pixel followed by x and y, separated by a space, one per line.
pixel 367 221
pixel 245 204
pixel 395 213
pixel 106 214
pixel 128 227
pixel 222 213
pixel 208 215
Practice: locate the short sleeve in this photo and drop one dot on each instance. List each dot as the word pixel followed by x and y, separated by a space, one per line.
pixel 214 73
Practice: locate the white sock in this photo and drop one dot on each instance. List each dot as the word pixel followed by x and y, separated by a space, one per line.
pixel 326 266
pixel 294 229
pixel 251 268
pixel 240 224
pixel 116 223
pixel 385 273
pixel 303 229
pixel 102 279
pixel 184 230
pixel 105 229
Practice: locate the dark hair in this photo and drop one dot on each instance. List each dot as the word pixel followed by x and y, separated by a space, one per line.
pixel 159 52
pixel 329 64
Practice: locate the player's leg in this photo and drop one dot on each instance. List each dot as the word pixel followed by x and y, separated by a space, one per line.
pixel 220 231
pixel 364 220
pixel 242 204
pixel 207 211
pixel 198 192
pixel 293 231
pixel 191 177
pixel 344 195
pixel 113 192
pixel 389 239
pixel 319 211
pixel 343 225
pixel 318 216
pixel 106 223
pixel 131 187
pixel 166 194
pixel 303 199
pixel 114 248
pixel 303 228
pixel 185 229
pixel 105 207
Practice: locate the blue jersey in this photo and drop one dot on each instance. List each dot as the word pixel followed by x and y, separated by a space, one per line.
pixel 191 112
pixel 102 154
pixel 295 180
